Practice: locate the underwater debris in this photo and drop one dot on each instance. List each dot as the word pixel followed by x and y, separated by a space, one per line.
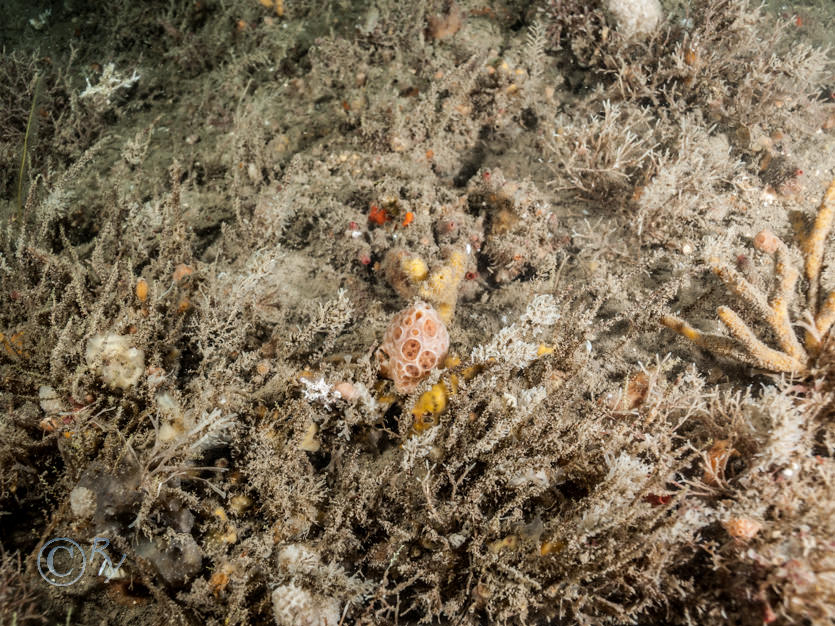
pixel 793 357
pixel 415 342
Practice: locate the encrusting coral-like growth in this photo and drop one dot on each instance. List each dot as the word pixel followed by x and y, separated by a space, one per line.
pixel 793 356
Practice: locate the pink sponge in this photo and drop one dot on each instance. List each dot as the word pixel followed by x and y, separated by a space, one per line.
pixel 414 343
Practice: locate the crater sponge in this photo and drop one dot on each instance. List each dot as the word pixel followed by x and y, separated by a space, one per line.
pixel 415 342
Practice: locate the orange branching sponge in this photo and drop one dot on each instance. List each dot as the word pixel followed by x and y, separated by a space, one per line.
pixel 793 357
pixel 415 342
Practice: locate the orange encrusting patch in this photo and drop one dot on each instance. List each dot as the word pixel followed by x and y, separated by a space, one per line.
pixel 376 215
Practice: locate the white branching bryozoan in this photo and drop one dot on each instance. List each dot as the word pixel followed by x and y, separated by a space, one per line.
pixel 511 344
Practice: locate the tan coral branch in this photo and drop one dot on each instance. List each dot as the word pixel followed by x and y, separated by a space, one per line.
pixel 757 352
pixel 744 290
pixel 776 313
pixel 793 357
pixel 718 344
pixel 778 317
pixel 822 323
pixel 813 245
